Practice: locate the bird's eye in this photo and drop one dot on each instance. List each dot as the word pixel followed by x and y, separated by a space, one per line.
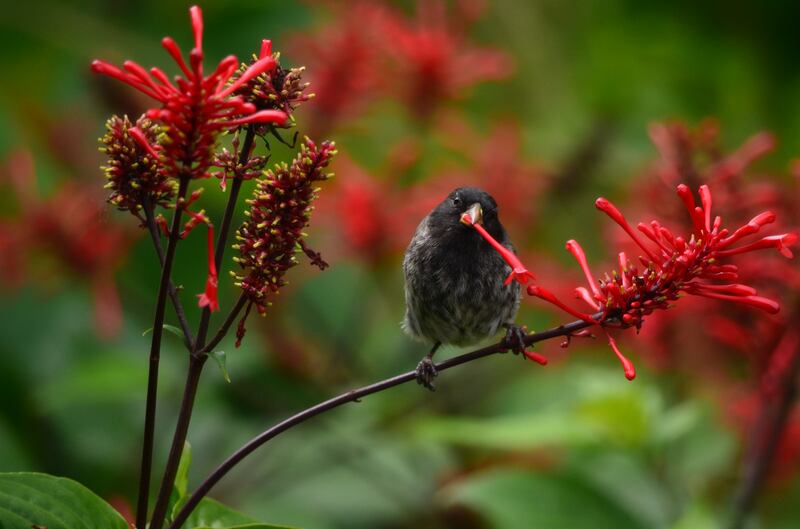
pixel 456 201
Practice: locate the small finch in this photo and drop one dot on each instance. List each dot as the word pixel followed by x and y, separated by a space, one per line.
pixel 455 291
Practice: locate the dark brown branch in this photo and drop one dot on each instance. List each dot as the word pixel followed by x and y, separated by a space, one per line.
pixel 155 354
pixel 196 363
pixel 150 221
pixel 344 398
pixel 226 325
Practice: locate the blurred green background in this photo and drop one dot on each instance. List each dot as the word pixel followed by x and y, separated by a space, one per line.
pixel 501 444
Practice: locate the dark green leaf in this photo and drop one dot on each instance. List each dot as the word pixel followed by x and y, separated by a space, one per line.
pixel 28 499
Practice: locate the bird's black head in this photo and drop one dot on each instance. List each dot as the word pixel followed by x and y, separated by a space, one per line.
pixel 478 204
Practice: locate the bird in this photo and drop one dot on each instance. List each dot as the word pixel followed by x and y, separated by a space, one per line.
pixel 455 289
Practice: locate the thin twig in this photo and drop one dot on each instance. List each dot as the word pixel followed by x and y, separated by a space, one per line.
pixel 344 398
pixel 155 354
pixel 226 325
pixel 173 292
pixel 224 229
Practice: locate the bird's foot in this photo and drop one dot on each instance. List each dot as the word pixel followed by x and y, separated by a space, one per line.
pixel 426 372
pixel 514 339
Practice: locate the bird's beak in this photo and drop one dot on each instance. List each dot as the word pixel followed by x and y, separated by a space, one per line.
pixel 473 215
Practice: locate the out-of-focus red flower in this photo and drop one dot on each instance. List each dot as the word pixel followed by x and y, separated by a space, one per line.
pixel 69 228
pixel 434 59
pixel 372 50
pixel 345 64
pixel 71 225
pixel 195 108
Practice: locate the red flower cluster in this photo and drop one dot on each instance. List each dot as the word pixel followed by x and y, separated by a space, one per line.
pixel 279 211
pixel 132 172
pixel 274 89
pixel 671 265
pixel 195 108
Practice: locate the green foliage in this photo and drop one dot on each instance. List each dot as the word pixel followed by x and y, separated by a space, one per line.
pixel 211 514
pixel 220 358
pixel 30 499
pixel 516 499
pixel 169 328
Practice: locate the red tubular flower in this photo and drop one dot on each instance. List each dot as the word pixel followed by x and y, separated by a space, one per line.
pixel 209 297
pixel 671 266
pixel 195 108
pixel 518 270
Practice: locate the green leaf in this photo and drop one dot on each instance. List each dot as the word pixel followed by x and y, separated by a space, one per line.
pixel 211 514
pixel 516 499
pixel 220 357
pixel 171 328
pixel 178 497
pixel 28 499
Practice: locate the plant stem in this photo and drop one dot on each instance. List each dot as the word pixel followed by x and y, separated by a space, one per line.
pixel 196 363
pixel 155 354
pixel 344 398
pixel 226 325
pixel 224 229
pixel 764 443
pixel 173 292
pixel 198 354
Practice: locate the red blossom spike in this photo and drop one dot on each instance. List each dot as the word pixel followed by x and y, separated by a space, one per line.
pixel 518 270
pixel 195 109
pixel 280 208
pixel 626 296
